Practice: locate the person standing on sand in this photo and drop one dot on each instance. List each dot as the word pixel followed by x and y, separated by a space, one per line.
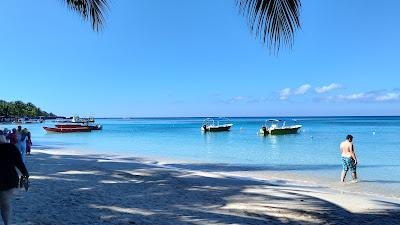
pixel 10 158
pixel 19 134
pixel 22 138
pixel 12 137
pixel 28 144
pixel 349 159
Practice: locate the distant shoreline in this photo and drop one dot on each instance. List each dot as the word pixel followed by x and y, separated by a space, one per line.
pixel 244 117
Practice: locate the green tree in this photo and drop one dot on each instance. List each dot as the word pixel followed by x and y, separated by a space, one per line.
pixel 21 109
pixel 4 108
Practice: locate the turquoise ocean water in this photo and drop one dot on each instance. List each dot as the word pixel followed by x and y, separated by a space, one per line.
pixel 314 151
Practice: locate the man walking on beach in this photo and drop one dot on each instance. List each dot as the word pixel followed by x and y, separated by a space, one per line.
pixel 349 159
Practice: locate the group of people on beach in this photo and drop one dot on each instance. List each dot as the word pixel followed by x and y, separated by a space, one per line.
pixel 14 145
pixel 21 138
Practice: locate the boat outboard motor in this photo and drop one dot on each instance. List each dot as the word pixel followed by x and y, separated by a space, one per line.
pixel 205 127
pixel 265 130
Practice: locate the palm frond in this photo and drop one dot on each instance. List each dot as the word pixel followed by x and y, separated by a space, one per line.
pixel 273 21
pixel 92 10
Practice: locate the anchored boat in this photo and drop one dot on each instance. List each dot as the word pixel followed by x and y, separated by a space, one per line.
pixel 66 130
pixel 90 126
pixel 275 129
pixel 77 122
pixel 211 125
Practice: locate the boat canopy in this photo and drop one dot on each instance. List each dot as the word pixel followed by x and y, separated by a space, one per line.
pixel 274 120
pixel 216 121
pixel 278 120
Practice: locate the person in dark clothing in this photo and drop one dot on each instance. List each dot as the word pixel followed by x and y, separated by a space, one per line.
pixel 10 158
pixel 28 144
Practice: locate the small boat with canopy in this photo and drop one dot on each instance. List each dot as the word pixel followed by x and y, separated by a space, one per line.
pixel 220 124
pixel 77 122
pixel 276 127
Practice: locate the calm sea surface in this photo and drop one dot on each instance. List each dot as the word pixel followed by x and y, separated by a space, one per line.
pixel 314 151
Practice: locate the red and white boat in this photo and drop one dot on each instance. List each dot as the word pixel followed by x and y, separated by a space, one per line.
pixel 91 127
pixel 77 122
pixel 67 130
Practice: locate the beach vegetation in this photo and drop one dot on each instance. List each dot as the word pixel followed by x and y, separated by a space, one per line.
pixel 21 109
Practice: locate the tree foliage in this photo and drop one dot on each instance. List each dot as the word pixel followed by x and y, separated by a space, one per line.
pixel 92 10
pixel 274 22
pixel 21 109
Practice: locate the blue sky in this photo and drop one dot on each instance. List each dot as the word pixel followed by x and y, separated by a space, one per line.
pixel 198 58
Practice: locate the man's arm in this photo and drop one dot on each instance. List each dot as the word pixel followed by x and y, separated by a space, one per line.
pixel 353 154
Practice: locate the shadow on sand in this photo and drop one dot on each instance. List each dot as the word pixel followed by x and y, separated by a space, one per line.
pixel 95 190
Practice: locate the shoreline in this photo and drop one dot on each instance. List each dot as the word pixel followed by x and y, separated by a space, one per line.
pixel 71 187
pixel 243 171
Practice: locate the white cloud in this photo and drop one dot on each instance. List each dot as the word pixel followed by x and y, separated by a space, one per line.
pixel 354 97
pixel 239 98
pixel 327 88
pixel 302 89
pixel 245 99
pixel 391 96
pixel 372 96
pixel 235 99
pixel 284 93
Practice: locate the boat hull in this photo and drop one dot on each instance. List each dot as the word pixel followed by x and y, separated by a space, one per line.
pixel 66 130
pixel 280 131
pixel 91 127
pixel 216 128
pixel 96 127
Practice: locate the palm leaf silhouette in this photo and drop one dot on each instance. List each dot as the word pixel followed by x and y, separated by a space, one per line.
pixel 92 10
pixel 273 21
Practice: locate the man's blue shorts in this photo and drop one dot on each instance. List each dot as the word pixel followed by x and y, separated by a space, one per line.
pixel 348 163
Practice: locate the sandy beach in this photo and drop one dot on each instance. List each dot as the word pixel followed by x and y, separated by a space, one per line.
pixel 207 112
pixel 103 189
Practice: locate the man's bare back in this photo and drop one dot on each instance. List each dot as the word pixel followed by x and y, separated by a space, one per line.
pixel 346 148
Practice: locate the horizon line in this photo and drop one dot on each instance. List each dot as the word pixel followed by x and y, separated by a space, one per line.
pixel 172 117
